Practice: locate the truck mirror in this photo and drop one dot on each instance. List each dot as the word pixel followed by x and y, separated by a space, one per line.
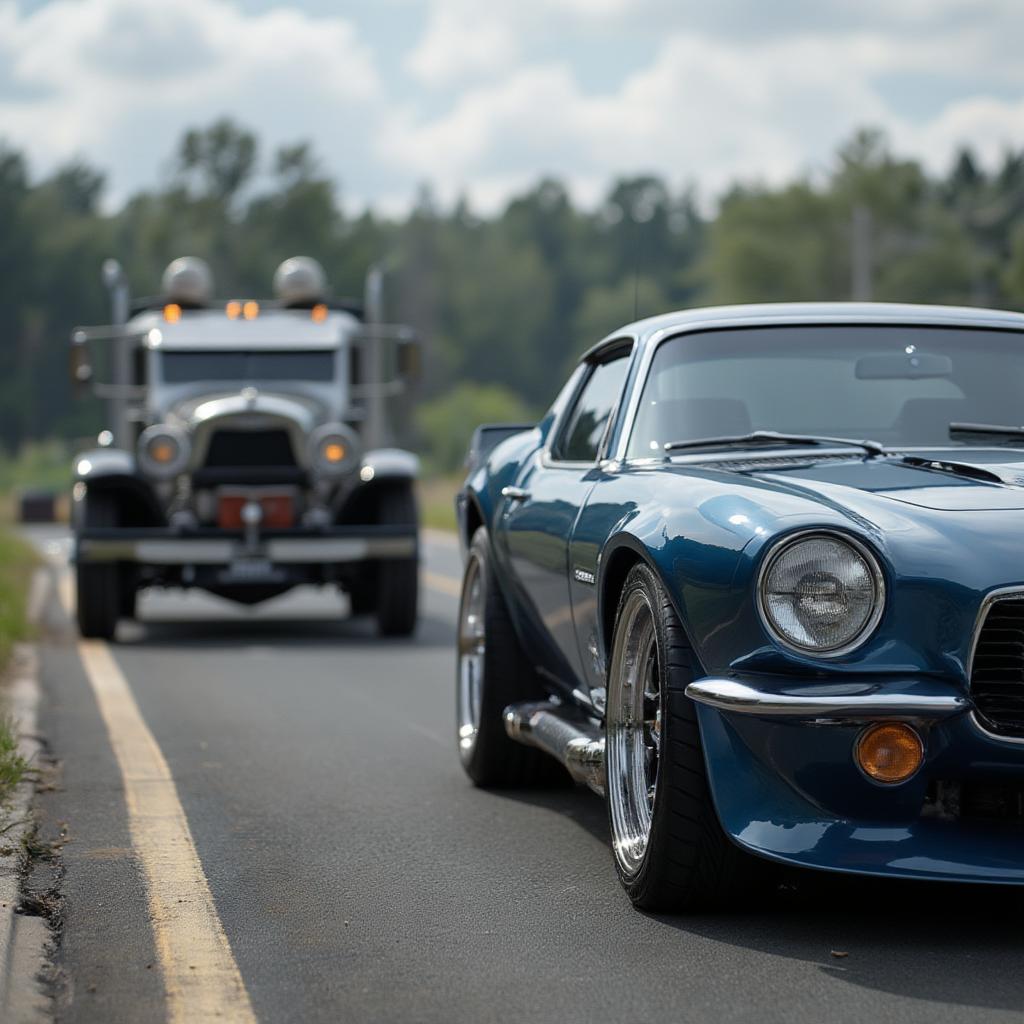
pixel 410 363
pixel 81 368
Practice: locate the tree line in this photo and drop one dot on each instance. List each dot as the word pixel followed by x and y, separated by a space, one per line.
pixel 506 302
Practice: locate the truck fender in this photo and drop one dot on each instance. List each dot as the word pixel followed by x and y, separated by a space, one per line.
pixel 389 463
pixel 115 470
pixel 380 468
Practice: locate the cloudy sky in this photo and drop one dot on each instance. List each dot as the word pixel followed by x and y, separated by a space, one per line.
pixel 484 96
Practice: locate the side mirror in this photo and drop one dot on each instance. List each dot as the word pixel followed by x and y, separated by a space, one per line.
pixel 81 367
pixel 409 359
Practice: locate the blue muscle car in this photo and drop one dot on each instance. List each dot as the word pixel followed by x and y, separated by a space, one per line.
pixel 758 578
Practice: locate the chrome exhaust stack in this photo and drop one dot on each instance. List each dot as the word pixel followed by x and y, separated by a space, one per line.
pixel 577 742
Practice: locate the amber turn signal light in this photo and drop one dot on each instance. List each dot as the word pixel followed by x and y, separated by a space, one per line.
pixel 163 451
pixel 334 452
pixel 889 752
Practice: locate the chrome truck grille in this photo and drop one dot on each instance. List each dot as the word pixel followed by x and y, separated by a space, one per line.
pixel 250 448
pixel 997 670
pixel 249 457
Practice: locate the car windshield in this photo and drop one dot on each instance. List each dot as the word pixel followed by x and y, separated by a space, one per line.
pixel 186 367
pixel 902 386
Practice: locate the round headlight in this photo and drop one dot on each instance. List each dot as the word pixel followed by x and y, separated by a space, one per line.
pixel 334 449
pixel 163 451
pixel 821 593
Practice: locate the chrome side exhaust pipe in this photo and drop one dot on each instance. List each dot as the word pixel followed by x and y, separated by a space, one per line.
pixel 577 742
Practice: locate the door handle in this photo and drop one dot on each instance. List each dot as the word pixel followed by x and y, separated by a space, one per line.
pixel 515 493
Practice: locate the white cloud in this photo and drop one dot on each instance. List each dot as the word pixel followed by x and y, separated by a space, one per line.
pixel 706 109
pixel 486 98
pixel 122 78
pixel 462 40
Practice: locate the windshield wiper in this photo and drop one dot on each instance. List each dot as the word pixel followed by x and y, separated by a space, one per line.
pixel 994 429
pixel 772 437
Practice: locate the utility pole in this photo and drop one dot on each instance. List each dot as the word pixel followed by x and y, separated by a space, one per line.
pixel 116 282
pixel 861 259
pixel 373 301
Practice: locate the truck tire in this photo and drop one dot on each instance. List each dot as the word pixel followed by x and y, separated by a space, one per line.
pixel 397 588
pixel 492 672
pixel 100 589
pixel 670 850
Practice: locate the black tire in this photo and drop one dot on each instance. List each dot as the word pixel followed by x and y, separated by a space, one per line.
pixel 506 677
pixel 362 599
pixel 397 590
pixel 129 593
pixel 689 862
pixel 100 590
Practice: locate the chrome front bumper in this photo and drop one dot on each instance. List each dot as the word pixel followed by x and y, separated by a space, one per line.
pixel 164 548
pixel 829 701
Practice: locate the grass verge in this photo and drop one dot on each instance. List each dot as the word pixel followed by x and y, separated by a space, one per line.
pixel 12 765
pixel 437 501
pixel 17 562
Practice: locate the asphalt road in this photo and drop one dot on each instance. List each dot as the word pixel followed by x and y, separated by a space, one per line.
pixel 359 876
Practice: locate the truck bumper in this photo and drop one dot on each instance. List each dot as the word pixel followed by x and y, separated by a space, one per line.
pixel 215 547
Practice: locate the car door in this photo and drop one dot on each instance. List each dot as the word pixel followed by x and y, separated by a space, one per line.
pixel 540 510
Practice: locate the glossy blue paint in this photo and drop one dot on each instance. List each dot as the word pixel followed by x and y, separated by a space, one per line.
pixel 785 789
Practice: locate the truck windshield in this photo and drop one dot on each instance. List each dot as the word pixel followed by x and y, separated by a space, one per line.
pixel 899 385
pixel 186 367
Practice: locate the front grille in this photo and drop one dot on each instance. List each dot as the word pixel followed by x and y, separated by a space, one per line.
pixel 250 449
pixel 997 673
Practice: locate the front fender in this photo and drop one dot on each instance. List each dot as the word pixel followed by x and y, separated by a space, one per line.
pixel 114 470
pixel 103 463
pixel 389 464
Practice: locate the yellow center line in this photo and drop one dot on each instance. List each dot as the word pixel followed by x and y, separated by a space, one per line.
pixel 446 584
pixel 200 976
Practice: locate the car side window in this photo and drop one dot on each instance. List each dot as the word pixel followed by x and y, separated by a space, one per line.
pixel 580 438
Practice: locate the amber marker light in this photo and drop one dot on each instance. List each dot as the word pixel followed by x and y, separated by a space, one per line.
pixel 318 313
pixel 233 310
pixel 172 312
pixel 889 752
pixel 163 451
pixel 250 310
pixel 334 452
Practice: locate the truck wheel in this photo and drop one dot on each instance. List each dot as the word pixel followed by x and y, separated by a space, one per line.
pixel 670 851
pixel 398 578
pixel 491 672
pixel 99 586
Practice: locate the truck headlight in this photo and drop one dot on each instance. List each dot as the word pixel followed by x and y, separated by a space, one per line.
pixel 333 450
pixel 821 593
pixel 163 451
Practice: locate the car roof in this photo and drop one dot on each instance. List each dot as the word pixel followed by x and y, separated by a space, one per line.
pixel 272 329
pixel 776 314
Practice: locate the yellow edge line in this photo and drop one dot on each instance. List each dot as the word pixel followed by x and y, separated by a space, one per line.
pixel 200 976
pixel 446 584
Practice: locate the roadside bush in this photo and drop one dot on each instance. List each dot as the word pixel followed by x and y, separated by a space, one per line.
pixel 446 423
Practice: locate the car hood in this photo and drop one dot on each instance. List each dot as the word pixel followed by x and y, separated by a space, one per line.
pixel 973 480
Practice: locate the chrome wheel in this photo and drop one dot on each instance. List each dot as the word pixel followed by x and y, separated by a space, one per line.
pixel 633 732
pixel 472 645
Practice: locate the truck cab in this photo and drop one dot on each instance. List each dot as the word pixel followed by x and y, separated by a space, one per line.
pixel 240 460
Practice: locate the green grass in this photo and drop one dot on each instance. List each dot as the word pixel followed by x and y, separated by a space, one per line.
pixel 12 765
pixel 437 501
pixel 45 465
pixel 17 562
